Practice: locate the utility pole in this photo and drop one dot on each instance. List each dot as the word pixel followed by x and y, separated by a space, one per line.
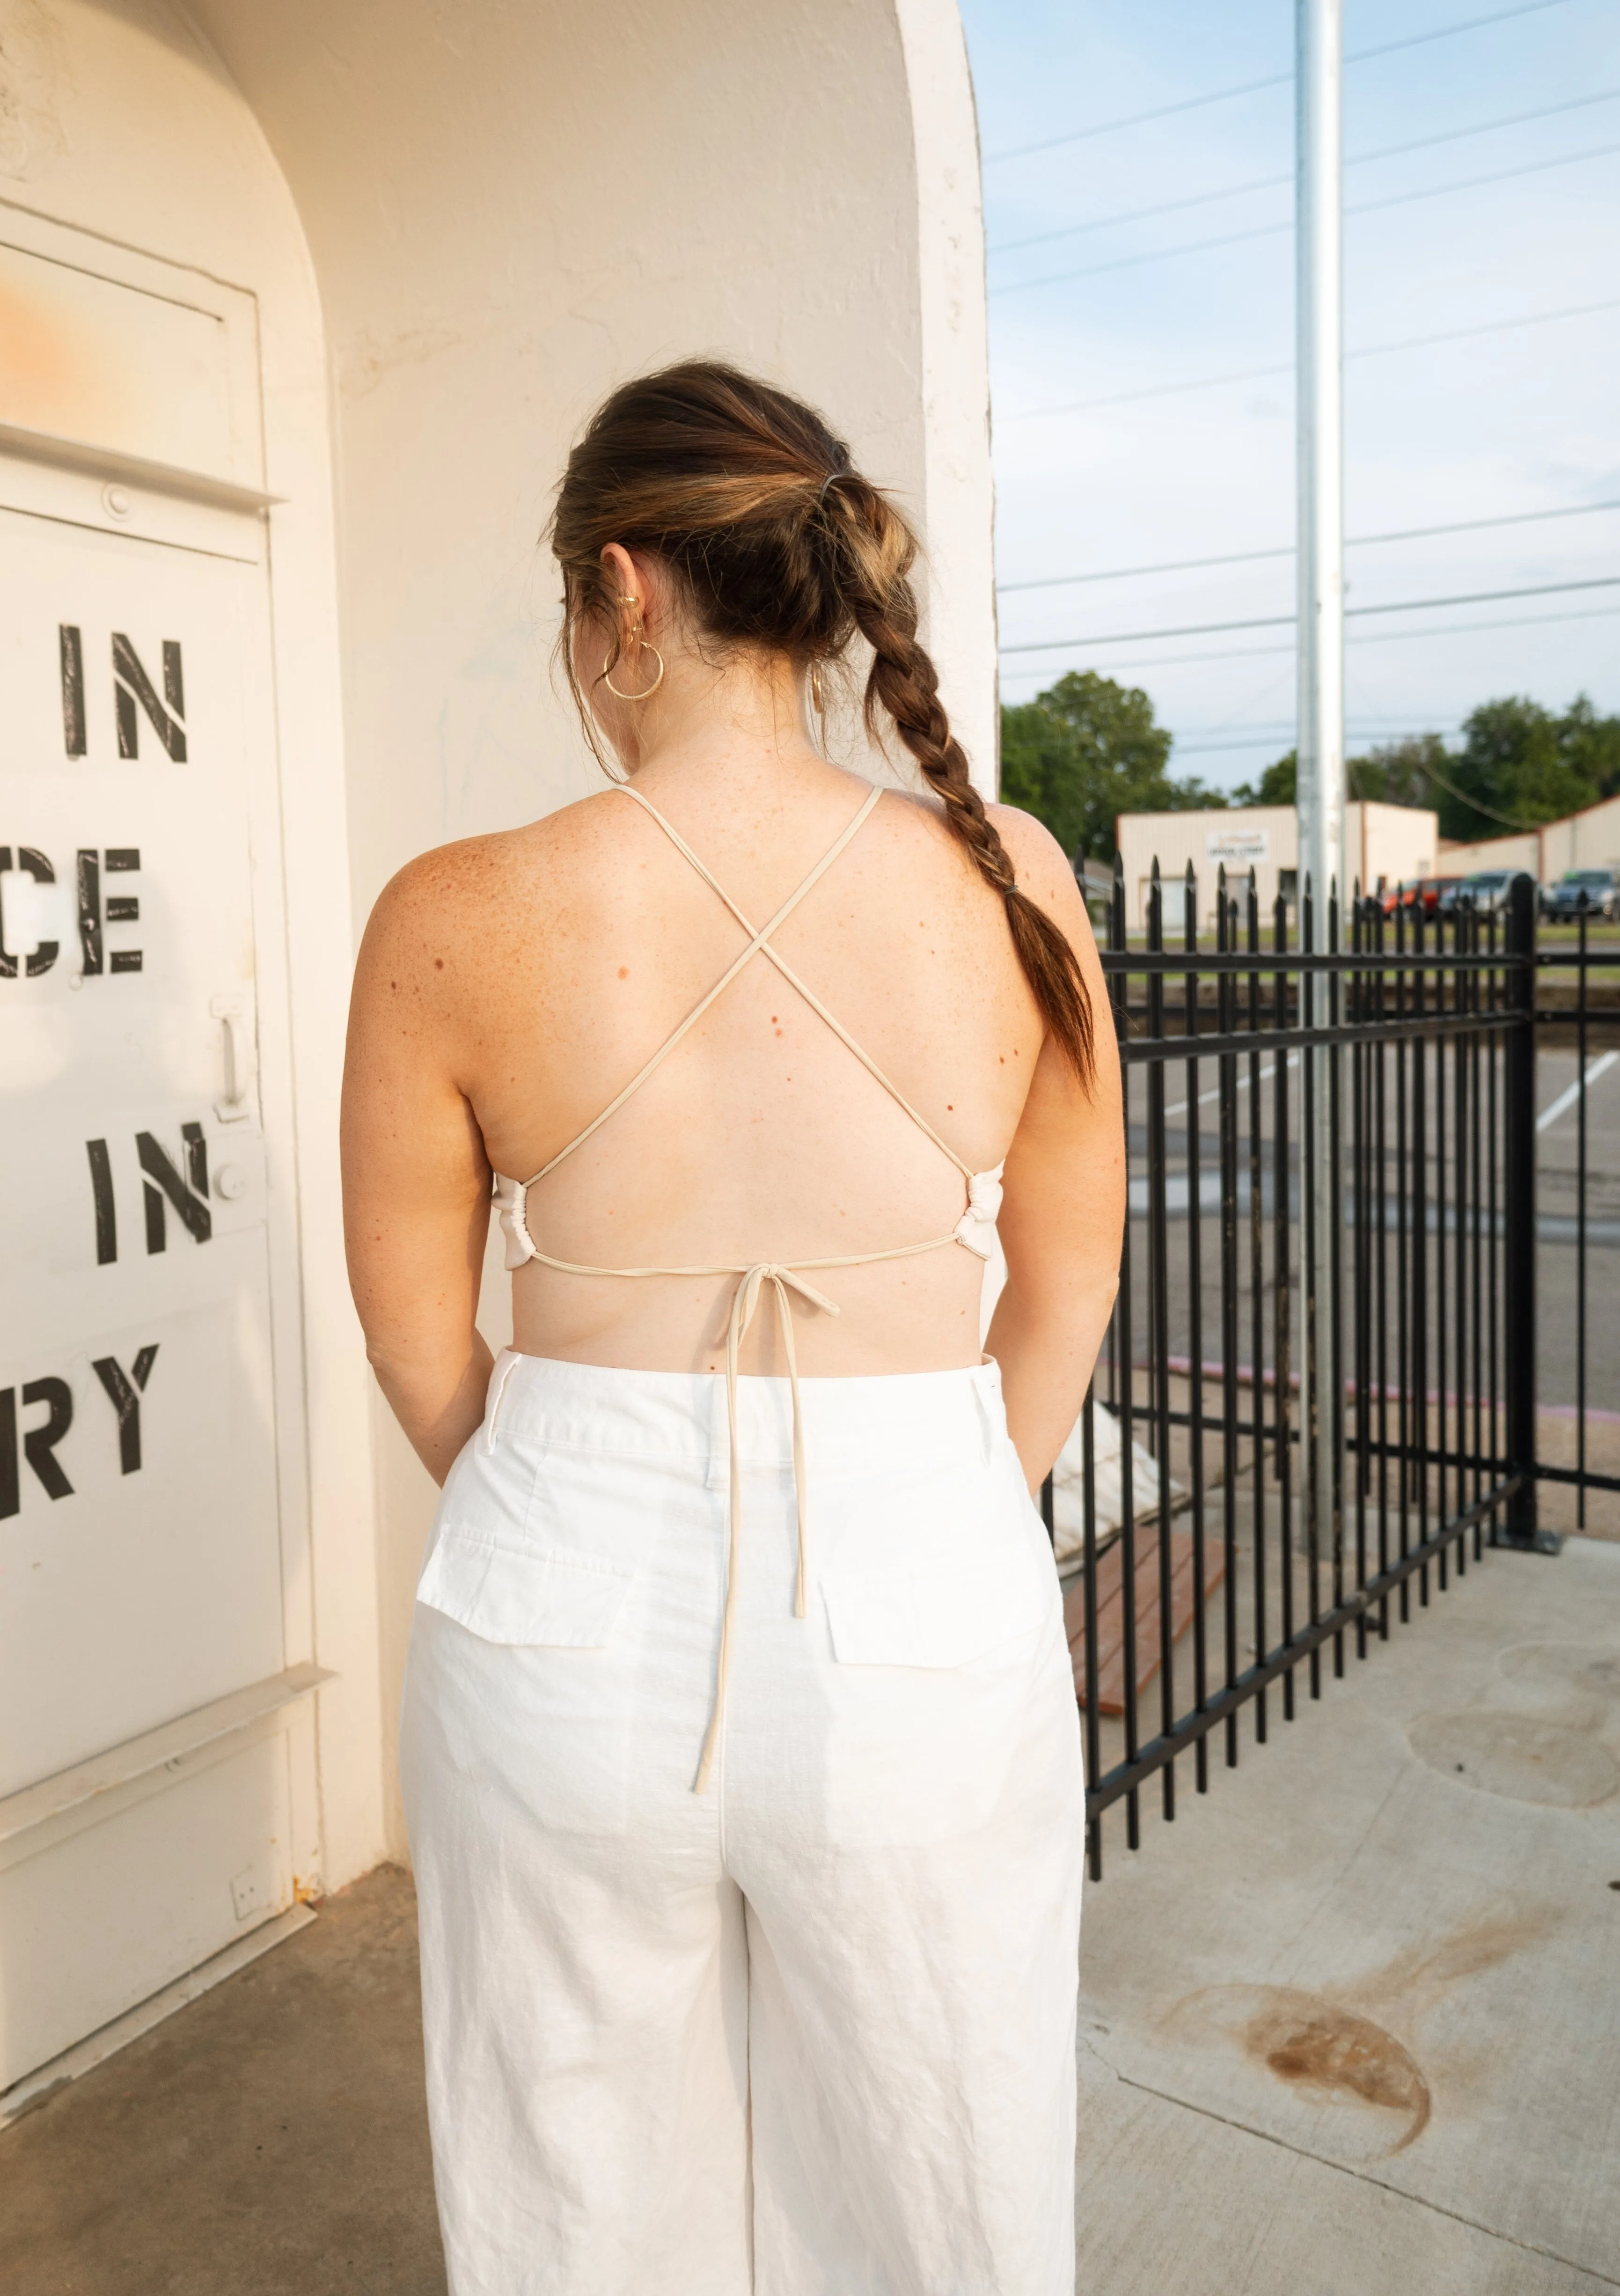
pixel 1318 79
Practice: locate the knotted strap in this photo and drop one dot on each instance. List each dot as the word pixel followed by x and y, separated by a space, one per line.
pixel 745 1299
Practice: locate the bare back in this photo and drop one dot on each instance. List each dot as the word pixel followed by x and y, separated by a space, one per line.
pixel 564 954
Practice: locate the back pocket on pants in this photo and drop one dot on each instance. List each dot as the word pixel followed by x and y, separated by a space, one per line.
pixel 519 1713
pixel 539 1596
pixel 931 1696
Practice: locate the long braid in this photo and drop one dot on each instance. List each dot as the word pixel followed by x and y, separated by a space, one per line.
pixel 881 551
pixel 750 500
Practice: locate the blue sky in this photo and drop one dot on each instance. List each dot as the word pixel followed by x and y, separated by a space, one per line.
pixel 1501 419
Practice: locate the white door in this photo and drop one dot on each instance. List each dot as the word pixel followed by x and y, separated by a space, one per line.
pixel 145 1786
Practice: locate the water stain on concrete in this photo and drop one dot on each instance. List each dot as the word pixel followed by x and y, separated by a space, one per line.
pixel 1317 2046
pixel 1410 1984
pixel 1334 2047
pixel 1516 1755
pixel 1539 1739
pixel 1587 1672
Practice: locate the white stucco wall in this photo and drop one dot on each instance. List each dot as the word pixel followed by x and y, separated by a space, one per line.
pixel 958 495
pixel 1587 840
pixel 1511 852
pixel 509 210
pixel 462 223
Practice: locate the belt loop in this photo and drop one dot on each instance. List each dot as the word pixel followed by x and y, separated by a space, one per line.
pixel 505 1363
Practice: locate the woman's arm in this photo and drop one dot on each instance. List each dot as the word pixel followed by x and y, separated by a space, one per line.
pixel 415 1177
pixel 1064 1198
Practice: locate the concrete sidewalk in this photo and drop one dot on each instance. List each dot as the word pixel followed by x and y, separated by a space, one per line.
pixel 271 2137
pixel 1351 2026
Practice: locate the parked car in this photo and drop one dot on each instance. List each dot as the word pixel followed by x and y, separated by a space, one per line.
pixel 1601 888
pixel 1486 889
pixel 1430 894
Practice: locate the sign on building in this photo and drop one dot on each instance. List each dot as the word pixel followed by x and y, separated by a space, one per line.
pixel 1247 846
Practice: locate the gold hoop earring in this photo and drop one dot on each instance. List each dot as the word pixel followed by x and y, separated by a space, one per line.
pixel 818 700
pixel 607 677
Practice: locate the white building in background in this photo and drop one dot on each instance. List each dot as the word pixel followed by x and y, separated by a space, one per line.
pixel 1588 840
pixel 1383 845
pixel 304 303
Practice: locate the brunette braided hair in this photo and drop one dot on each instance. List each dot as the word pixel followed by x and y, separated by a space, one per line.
pixel 776 541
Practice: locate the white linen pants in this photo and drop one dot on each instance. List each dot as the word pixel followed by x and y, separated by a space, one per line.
pixel 811 2032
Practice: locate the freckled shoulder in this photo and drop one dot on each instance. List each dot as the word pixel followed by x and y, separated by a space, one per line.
pixel 471 892
pixel 916 819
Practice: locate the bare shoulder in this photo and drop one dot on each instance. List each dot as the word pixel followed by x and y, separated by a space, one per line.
pixel 1042 868
pixel 458 916
pixel 477 877
pixel 1039 863
pixel 1036 853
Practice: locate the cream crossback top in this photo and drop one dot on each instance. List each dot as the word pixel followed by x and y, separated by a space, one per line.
pixel 975 1229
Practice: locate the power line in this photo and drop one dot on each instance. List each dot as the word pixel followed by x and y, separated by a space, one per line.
pixel 1273 230
pixel 1461 629
pixel 1275 183
pixel 1431 773
pixel 1140 215
pixel 1286 621
pixel 1356 637
pixel 1174 390
pixel 1285 550
pixel 1481 128
pixel 1254 86
pixel 1265 735
pixel 1478 183
pixel 1150 255
pixel 1122 573
pixel 1285 367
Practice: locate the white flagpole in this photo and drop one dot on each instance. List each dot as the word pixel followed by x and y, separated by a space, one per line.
pixel 1320 745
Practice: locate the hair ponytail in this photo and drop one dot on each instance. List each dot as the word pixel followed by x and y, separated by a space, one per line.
pixel 750 501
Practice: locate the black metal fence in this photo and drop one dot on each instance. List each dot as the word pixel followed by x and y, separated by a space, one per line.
pixel 1320 1381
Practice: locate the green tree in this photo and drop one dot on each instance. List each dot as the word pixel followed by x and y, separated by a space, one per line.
pixel 1277 785
pixel 1088 749
pixel 1508 771
pixel 1396 774
pixel 1521 764
pixel 1591 745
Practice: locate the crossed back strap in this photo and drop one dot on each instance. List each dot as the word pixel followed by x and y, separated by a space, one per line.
pixel 759 944
pixel 975 1230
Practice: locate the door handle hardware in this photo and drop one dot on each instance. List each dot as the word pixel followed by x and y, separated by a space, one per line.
pixel 232 1107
